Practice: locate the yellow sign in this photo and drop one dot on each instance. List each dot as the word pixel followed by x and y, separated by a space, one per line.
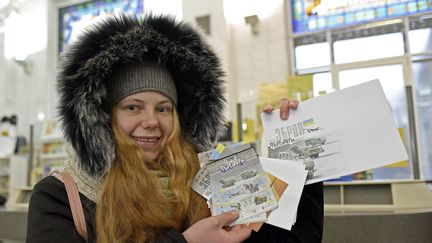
pixel 300 87
pixel 404 163
pixel 296 87
pixel 248 127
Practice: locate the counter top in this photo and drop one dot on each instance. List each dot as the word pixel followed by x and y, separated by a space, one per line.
pixel 13 223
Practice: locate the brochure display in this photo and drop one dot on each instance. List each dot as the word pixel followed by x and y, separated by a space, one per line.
pixel 52 152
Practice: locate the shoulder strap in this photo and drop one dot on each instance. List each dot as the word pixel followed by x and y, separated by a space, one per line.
pixel 75 204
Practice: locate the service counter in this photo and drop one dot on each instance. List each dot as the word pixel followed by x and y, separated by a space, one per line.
pixel 377 211
pixel 13 225
pixel 400 226
pixel 372 212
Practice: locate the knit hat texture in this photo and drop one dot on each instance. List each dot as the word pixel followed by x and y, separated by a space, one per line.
pixel 109 60
pixel 132 78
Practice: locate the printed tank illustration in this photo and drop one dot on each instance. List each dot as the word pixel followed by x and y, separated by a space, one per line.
pixel 301 142
pixel 310 147
pixel 227 182
pixel 239 182
pixel 305 151
pixel 248 174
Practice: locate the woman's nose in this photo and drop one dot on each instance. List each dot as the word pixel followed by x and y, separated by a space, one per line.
pixel 149 120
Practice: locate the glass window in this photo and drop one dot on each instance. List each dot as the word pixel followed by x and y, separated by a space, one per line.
pixel 312 56
pixel 367 48
pixel 391 79
pixel 423 101
pixel 420 40
pixel 322 84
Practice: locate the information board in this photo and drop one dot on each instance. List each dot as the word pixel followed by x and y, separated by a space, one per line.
pixel 73 19
pixel 313 15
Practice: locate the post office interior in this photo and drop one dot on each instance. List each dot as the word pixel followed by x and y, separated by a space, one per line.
pixel 269 49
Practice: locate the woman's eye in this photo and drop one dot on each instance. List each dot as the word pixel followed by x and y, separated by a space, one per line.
pixel 164 109
pixel 131 108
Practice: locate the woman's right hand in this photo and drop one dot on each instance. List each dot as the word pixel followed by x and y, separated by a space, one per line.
pixel 214 229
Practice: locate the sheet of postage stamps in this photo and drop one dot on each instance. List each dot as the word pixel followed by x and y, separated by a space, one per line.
pixel 201 183
pixel 238 182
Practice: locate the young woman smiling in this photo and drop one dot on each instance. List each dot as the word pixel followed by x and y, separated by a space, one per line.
pixel 139 98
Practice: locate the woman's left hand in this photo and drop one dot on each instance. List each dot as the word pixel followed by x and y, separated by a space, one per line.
pixel 285 106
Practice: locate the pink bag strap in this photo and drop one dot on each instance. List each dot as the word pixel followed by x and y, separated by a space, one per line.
pixel 75 204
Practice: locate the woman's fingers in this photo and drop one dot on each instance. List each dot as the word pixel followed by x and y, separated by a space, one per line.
pixel 268 109
pixel 285 106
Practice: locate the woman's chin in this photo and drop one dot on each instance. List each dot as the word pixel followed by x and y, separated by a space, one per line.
pixel 151 155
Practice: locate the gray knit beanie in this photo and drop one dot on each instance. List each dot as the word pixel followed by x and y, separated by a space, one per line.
pixel 131 78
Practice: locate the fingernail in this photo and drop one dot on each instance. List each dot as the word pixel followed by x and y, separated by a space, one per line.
pixel 235 213
pixel 284 115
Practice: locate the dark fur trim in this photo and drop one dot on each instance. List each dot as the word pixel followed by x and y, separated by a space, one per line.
pixel 125 38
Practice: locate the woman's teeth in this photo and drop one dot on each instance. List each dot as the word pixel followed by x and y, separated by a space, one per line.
pixel 145 140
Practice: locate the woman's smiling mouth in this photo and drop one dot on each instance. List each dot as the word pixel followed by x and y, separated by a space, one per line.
pixel 146 141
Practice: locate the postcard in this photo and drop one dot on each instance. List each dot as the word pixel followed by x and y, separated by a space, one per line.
pixel 344 132
pixel 278 186
pixel 294 174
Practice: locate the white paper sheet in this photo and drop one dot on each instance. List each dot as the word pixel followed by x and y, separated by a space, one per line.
pixel 294 174
pixel 344 132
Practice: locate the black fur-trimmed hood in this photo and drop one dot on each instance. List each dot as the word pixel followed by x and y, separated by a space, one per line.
pixel 125 38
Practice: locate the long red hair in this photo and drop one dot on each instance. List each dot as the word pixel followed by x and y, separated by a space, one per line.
pixel 132 206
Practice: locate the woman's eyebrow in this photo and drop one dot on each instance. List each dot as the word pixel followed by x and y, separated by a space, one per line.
pixel 164 101
pixel 131 99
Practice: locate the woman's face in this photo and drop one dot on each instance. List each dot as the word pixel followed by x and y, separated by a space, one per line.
pixel 147 118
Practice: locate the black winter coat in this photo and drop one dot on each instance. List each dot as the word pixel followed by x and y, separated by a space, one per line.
pixel 50 218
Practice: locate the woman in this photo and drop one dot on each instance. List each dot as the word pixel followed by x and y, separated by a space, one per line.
pixel 138 99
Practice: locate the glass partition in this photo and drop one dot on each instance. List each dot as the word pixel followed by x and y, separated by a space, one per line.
pixel 368 48
pixel 420 40
pixel 312 55
pixel 322 84
pixel 422 72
